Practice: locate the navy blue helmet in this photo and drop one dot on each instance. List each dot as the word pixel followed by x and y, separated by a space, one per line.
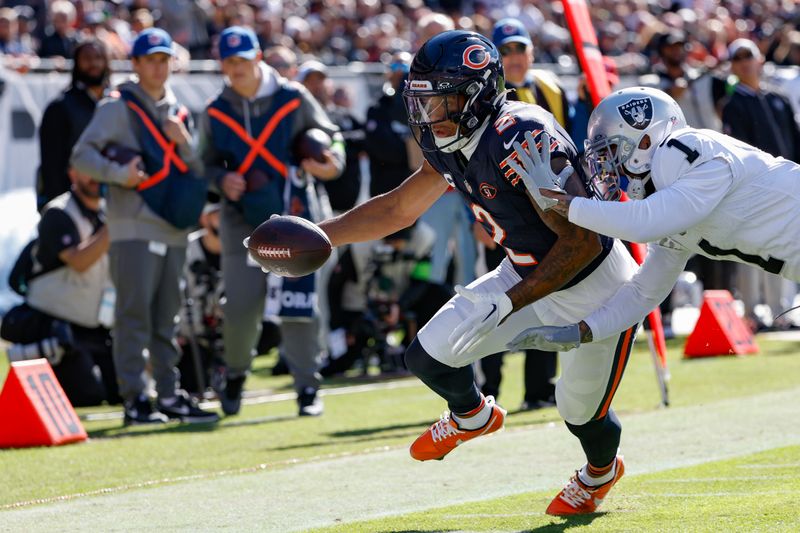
pixel 455 76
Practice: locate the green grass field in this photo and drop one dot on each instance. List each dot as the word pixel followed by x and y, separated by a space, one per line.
pixel 757 492
pixel 244 471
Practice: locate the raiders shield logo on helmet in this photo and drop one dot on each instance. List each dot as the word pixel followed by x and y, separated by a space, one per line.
pixel 637 113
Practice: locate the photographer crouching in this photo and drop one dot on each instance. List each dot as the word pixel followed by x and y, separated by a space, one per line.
pixel 69 299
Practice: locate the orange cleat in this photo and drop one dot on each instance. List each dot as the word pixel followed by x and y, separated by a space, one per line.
pixel 443 436
pixel 579 498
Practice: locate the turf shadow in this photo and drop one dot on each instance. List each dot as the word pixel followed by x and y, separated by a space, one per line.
pixel 138 431
pixel 377 429
pixel 566 523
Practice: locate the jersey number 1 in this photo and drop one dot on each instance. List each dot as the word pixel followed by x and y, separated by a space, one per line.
pixel 691 155
pixel 499 235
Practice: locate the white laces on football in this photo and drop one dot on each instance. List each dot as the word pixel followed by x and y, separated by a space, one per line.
pixel 443 428
pixel 574 493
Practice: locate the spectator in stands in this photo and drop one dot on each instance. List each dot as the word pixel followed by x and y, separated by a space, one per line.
pixel 754 113
pixel 141 19
pixel 60 38
pixel 186 21
pixel 763 118
pixel 283 60
pixel 387 129
pixel 68 296
pixel 314 76
pixel 699 93
pixel 97 26
pixel 66 117
pixel 26 26
pixel 254 189
pixel 9 36
pixel 431 25
pixel 147 252
pixel 343 192
pixel 535 86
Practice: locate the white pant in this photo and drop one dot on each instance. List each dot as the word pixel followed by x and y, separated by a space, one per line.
pixel 590 374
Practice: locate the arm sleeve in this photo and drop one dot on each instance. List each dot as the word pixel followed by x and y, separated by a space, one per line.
pixel 313 116
pixel 667 212
pixel 57 232
pixel 213 161
pixel 642 293
pixel 109 117
pixel 54 151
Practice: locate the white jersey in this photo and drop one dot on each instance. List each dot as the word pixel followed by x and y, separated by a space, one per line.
pixel 715 196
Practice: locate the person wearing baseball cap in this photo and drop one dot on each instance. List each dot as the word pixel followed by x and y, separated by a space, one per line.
pixel 154 199
pixel 530 85
pixel 246 134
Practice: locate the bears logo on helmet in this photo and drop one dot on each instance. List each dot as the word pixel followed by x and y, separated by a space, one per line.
pixel 475 57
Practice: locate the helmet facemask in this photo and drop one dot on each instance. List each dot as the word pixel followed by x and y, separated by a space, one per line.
pixel 428 107
pixel 609 159
pixel 624 131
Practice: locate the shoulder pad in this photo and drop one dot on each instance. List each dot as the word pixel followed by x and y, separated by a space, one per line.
pixel 681 151
pixel 511 126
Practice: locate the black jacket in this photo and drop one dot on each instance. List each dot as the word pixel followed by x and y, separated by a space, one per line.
pixel 62 124
pixel 386 133
pixel 764 120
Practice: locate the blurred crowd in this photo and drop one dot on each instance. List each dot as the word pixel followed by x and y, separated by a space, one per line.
pixel 338 32
pixel 370 300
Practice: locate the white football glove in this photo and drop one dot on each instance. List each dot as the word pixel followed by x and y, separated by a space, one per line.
pixel 534 169
pixel 548 339
pixel 489 309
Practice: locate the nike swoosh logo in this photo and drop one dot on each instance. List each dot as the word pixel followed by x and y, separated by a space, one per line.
pixel 494 308
pixel 509 143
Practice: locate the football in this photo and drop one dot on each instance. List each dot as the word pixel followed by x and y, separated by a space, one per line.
pixel 289 246
pixel 119 154
pixel 311 144
pixel 255 179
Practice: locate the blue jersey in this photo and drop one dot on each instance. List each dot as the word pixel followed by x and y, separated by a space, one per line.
pixel 497 196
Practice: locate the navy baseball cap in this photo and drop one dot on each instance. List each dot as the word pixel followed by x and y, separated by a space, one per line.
pixel 238 41
pixel 152 41
pixel 510 30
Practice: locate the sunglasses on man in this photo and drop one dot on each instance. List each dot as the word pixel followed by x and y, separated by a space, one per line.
pixel 743 56
pixel 512 48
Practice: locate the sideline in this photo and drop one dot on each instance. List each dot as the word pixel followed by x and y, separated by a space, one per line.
pixel 363 486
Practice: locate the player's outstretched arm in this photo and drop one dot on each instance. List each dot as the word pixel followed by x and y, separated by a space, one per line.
pixel 575 248
pixel 390 212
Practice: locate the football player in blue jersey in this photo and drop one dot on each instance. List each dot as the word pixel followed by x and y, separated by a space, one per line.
pixel 473 140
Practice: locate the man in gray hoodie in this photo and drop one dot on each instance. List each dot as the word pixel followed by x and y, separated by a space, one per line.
pixel 148 247
pixel 246 138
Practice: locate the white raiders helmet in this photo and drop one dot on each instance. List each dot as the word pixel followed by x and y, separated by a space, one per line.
pixel 617 127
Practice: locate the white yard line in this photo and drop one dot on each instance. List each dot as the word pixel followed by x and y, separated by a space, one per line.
pixel 358 487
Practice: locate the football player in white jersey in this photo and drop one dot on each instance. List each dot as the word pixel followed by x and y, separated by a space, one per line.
pixel 696 191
